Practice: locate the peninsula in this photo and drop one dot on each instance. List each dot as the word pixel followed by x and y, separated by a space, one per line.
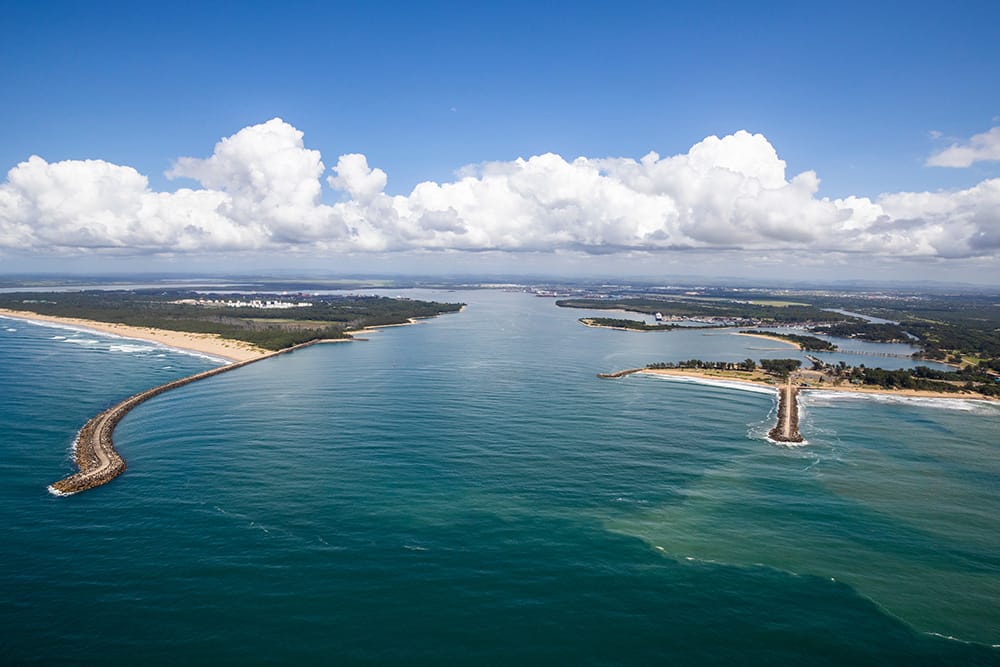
pixel 787 380
pixel 242 329
pixel 624 324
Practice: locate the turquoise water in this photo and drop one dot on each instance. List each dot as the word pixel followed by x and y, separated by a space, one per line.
pixel 466 490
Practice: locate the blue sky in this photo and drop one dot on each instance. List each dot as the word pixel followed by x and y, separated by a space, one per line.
pixel 862 94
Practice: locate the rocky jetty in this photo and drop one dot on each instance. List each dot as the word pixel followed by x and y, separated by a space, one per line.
pixel 787 428
pixel 619 374
pixel 95 453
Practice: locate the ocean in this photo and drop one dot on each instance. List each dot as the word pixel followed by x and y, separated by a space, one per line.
pixel 467 491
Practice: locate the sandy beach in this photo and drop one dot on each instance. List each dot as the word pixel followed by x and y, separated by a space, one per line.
pixel 211 344
pixel 370 330
pixel 756 378
pixel 766 337
pixel 910 393
pixel 760 379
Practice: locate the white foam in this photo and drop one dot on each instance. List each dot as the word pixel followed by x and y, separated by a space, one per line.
pixel 727 384
pixel 976 405
pixel 83 341
pixel 68 327
pixel 789 445
pixel 104 334
pixel 201 355
pixel 132 348
pixel 147 345
pixel 11 330
pixel 56 492
pixel 959 639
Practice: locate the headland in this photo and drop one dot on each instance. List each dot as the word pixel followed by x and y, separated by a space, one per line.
pixel 776 339
pixel 94 450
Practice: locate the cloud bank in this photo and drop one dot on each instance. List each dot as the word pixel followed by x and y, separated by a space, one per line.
pixel 261 190
pixel 983 147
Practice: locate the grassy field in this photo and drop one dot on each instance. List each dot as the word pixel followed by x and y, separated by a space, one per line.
pixel 776 303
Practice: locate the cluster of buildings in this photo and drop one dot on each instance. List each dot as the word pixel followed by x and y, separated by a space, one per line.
pixel 252 303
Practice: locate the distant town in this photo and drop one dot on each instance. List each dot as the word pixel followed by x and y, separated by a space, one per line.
pixel 264 304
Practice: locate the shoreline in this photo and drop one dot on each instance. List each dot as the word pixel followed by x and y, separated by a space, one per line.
pixel 760 380
pixel 375 329
pixel 589 322
pixel 94 452
pixel 766 337
pixel 786 428
pixel 210 344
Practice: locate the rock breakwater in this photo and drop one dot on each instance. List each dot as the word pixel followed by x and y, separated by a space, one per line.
pixel 94 452
pixel 787 428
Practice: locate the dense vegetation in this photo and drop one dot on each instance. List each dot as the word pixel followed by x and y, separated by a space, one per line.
pixel 741 312
pixel 870 331
pixel 811 343
pixel 780 367
pixel 633 325
pixel 328 317
pixel 921 377
pixel 747 365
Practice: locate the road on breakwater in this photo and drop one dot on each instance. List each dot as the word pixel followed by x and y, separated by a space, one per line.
pixel 787 428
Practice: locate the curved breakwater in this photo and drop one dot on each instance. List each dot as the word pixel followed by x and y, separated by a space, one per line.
pixel 94 450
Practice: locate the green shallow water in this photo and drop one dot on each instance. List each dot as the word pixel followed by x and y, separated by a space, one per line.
pixel 466 490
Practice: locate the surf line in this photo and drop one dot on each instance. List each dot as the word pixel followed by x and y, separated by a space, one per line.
pixel 94 451
pixel 787 427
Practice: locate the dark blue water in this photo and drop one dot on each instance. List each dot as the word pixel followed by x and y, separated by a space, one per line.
pixel 466 490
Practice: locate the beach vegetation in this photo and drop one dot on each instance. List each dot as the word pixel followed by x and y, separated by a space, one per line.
pixel 736 313
pixel 780 367
pixel 631 325
pixel 811 343
pixel 327 317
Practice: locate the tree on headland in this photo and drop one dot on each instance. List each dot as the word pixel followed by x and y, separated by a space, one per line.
pixel 780 367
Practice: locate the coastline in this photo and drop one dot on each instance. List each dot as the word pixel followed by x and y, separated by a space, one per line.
pixel 94 452
pixel 374 329
pixel 588 322
pixel 760 379
pixel 210 344
pixel 755 379
pixel 766 337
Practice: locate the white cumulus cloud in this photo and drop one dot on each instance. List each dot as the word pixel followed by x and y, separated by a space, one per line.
pixel 261 190
pixel 980 148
